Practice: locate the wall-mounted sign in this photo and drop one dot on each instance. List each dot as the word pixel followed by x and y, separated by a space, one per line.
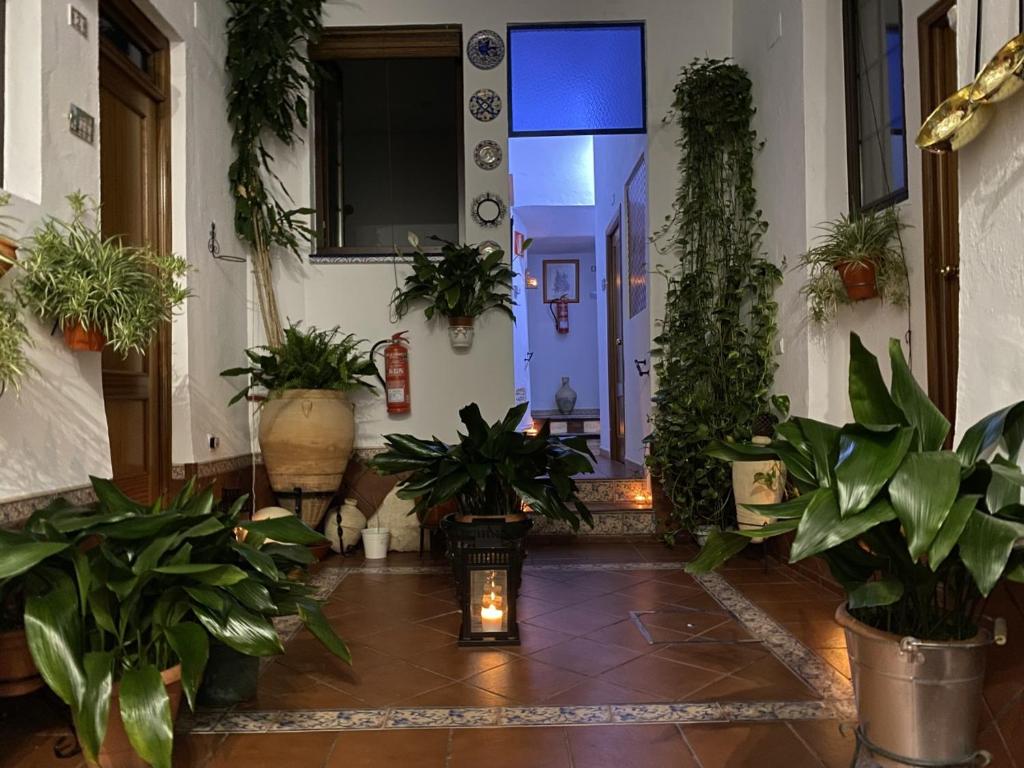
pixel 82 124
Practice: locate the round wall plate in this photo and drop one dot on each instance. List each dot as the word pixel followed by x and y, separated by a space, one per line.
pixel 485 105
pixel 485 49
pixel 487 247
pixel 488 210
pixel 487 155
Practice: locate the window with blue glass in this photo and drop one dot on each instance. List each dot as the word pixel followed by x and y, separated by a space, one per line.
pixel 876 123
pixel 576 79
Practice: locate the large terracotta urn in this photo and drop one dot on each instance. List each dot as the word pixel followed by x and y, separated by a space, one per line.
pixel 306 436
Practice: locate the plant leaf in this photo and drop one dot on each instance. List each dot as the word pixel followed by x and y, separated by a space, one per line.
pixel 867 461
pixel 19 558
pixel 312 616
pixel 286 530
pixel 90 714
pixel 885 591
pixel 720 546
pixel 951 530
pixel 246 632
pixel 146 712
pixel 192 645
pixel 932 426
pixel 821 528
pixel 871 402
pixel 54 632
pixel 922 492
pixel 985 547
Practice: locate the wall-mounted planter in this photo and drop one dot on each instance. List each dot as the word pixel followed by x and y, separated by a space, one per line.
pixel 858 279
pixel 82 339
pixel 8 250
pixel 460 332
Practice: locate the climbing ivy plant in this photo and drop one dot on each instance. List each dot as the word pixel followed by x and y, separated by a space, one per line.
pixel 270 78
pixel 714 353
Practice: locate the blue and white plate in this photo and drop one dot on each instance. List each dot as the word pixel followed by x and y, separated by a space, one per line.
pixel 485 105
pixel 485 49
pixel 487 155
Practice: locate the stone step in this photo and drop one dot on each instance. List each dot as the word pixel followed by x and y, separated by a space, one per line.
pixel 609 520
pixel 630 491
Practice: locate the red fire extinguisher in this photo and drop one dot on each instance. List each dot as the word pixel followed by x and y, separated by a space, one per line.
pixel 396 373
pixel 560 312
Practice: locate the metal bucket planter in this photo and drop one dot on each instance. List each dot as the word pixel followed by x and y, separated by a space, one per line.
pixel 918 701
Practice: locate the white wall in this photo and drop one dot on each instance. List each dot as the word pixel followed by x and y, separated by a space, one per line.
pixel 356 295
pixel 615 157
pixel 991 225
pixel 552 170
pixel 55 435
pixel 572 354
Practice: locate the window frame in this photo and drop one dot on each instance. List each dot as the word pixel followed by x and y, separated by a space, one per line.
pixel 853 156
pixel 578 25
pixel 392 42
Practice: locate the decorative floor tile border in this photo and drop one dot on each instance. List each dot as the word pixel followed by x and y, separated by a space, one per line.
pixel 836 692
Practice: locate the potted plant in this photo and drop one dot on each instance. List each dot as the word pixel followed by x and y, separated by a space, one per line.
pixel 759 481
pixel 918 536
pixel 126 599
pixel 99 290
pixel 8 247
pixel 460 286
pixel 307 426
pixel 14 363
pixel 857 258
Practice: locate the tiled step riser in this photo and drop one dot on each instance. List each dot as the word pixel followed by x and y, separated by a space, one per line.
pixel 612 490
pixel 624 523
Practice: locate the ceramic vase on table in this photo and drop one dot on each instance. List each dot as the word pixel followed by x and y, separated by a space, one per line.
pixel 565 397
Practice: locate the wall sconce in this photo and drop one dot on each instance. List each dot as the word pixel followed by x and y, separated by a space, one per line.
pixel 531 280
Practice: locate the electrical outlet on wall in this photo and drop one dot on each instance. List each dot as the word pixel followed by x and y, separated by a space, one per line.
pixel 78 22
pixel 213 442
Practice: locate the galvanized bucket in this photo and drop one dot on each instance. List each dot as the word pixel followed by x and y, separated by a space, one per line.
pixel 916 699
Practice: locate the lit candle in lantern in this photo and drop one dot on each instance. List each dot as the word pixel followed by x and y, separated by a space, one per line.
pixel 490 618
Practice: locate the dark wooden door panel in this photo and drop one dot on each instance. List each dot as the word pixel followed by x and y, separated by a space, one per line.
pixel 616 352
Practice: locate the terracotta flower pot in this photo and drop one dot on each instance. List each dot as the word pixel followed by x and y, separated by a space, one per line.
pixel 18 673
pixel 8 250
pixel 858 279
pixel 117 751
pixel 307 436
pixel 460 332
pixel 82 339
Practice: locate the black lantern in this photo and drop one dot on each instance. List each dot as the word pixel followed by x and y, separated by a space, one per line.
pixel 487 558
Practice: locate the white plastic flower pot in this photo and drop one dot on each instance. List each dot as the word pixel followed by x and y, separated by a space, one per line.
pixel 460 332
pixel 375 543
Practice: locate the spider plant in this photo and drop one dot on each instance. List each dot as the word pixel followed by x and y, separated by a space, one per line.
pixel 870 239
pixel 14 363
pixel 75 276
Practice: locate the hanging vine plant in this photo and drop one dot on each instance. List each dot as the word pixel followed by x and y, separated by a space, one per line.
pixel 270 77
pixel 714 355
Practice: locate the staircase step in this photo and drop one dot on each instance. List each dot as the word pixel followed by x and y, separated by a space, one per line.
pixel 632 491
pixel 607 522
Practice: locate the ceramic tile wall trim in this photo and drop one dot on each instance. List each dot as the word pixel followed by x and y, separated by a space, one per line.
pixel 835 690
pixel 14 513
pixel 214 467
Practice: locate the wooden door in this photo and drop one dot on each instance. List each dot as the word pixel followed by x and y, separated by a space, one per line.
pixel 134 195
pixel 937 44
pixel 616 352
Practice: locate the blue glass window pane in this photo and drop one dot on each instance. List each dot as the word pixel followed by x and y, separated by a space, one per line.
pixel 586 79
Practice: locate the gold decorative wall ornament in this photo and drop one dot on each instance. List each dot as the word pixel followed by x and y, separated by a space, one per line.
pixel 1003 76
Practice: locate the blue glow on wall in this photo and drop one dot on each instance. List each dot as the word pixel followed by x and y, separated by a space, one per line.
pixel 576 79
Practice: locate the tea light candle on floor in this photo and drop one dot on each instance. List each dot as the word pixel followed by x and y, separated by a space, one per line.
pixel 490 618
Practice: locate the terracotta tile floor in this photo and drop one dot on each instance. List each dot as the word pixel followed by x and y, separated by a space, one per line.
pixel 580 648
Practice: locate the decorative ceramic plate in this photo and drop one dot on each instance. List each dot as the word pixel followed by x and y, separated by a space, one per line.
pixel 487 247
pixel 485 105
pixel 488 210
pixel 487 155
pixel 485 49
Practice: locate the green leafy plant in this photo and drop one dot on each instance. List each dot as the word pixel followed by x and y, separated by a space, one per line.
pixel 270 77
pixel 492 470
pixel 714 356
pixel 868 238
pixel 918 536
pixel 464 282
pixel 74 275
pixel 14 363
pixel 115 592
pixel 311 359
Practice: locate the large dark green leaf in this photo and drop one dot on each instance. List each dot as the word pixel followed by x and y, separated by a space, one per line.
pixel 208 573
pixel 316 622
pixel 988 432
pixel 932 426
pixel 253 595
pixel 951 530
pixel 822 528
pixel 54 631
pixel 1004 487
pixel 867 460
pixel 151 555
pixel 259 560
pixel 18 558
pixel 112 499
pixel 192 646
pixel 922 492
pixel 728 451
pixel 885 591
pixel 287 530
pixel 823 442
pixel 246 632
pixel 770 529
pixel 985 547
pixel 146 712
pixel 90 714
pixel 720 546
pixel 870 399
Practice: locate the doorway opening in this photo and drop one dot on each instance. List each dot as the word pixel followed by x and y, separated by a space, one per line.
pixel 134 193
pixel 581 342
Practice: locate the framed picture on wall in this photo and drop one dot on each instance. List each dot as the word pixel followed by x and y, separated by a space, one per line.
pixel 562 278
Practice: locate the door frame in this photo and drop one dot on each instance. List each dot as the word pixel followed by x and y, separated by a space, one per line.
pixel 613 232
pixel 941 216
pixel 158 86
